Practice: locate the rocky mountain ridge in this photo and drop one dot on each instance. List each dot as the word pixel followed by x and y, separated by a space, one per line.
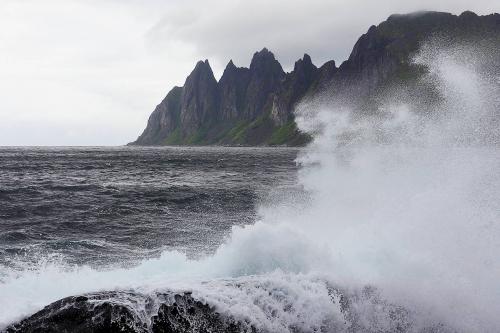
pixel 255 105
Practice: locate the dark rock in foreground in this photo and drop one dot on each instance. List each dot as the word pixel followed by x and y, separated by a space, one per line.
pixel 127 312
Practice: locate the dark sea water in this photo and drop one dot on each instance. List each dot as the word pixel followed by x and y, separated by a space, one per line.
pixel 107 206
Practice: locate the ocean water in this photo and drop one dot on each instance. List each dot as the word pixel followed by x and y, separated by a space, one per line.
pixel 394 215
pixel 103 206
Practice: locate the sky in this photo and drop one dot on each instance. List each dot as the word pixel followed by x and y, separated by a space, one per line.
pixel 90 72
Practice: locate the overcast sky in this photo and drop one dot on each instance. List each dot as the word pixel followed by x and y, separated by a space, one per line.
pixel 89 72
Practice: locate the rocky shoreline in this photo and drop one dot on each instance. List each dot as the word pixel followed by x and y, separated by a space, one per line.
pixel 181 312
pixel 127 312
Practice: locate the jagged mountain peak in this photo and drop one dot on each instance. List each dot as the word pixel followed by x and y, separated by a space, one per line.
pixel 232 73
pixel 254 106
pixel 264 60
pixel 202 65
pixel 201 72
pixel 304 64
pixel 230 64
pixel 307 58
pixel 231 68
pixel 263 54
pixel 264 51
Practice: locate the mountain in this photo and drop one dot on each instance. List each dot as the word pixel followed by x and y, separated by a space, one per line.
pixel 254 106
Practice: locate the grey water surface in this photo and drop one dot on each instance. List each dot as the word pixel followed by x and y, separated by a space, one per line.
pixel 102 206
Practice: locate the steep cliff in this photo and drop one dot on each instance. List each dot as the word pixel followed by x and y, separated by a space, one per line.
pixel 248 106
pixel 255 105
pixel 198 99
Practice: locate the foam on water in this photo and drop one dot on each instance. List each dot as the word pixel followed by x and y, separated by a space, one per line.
pixel 405 201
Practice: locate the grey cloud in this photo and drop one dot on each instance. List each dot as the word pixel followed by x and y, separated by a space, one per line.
pixel 326 30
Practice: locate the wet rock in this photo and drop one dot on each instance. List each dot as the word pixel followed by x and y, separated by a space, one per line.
pixel 128 312
pixel 81 314
pixel 362 311
pixel 191 316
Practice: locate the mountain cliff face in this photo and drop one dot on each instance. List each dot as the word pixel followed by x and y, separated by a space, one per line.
pixel 198 99
pixel 254 106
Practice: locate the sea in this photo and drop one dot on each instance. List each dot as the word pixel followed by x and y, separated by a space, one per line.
pixel 103 207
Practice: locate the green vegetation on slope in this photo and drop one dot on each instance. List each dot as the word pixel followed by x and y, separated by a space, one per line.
pixel 175 138
pixel 284 133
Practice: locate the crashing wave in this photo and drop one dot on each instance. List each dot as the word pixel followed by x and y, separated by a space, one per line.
pixel 251 304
